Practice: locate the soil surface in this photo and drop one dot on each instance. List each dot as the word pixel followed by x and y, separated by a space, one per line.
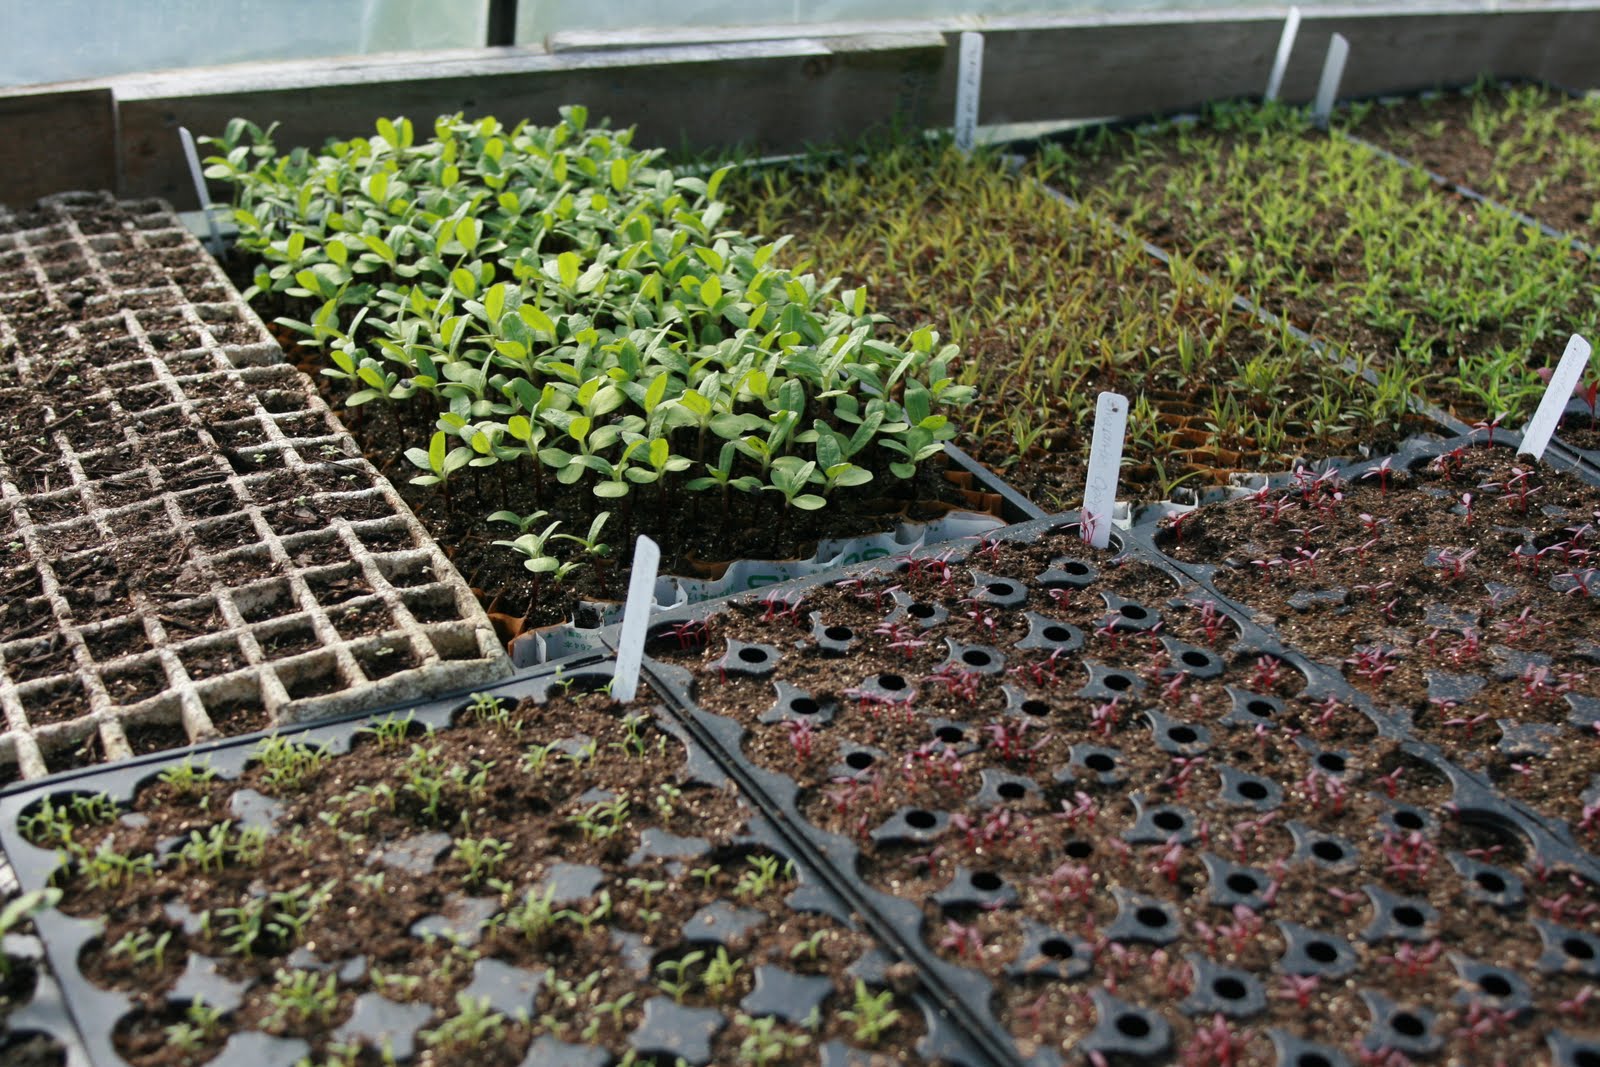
pixel 559 859
pixel 1106 798
pixel 1527 147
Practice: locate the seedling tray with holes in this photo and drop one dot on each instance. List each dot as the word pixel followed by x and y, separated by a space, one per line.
pixel 533 876
pixel 195 546
pixel 1120 818
pixel 35 1029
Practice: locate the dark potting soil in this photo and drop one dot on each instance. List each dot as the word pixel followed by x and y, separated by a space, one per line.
pixel 1523 163
pixel 559 859
pixel 1103 799
pixel 1453 593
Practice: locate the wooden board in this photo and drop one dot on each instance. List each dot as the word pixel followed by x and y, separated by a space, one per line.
pixel 57 140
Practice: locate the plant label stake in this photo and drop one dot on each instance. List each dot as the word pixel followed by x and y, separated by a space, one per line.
pixel 1280 63
pixel 635 619
pixel 1105 462
pixel 1543 424
pixel 1332 74
pixel 969 78
pixel 214 242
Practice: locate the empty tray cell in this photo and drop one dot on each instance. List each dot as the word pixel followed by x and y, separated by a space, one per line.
pixel 129 374
pixel 109 462
pixel 205 383
pixel 257 460
pixel 269 600
pixel 217 536
pixel 175 447
pixel 211 657
pixel 56 507
pixel 245 565
pixel 113 641
pixel 155 735
pixel 63 270
pixel 243 434
pixel 69 752
pixel 379 659
pixel 311 676
pixel 305 424
pixel 208 502
pixel 145 397
pixel 147 293
pixel 316 549
pixel 284 638
pixel 335 585
pixel 282 401
pixel 197 361
pixel 454 642
pixel 105 243
pixel 234 704
pixel 367 617
pixel 435 603
pixel 161 235
pixel 38 657
pixel 54 700
pixel 386 535
pixel 132 682
pixel 93 587
pixel 19 582
pixel 408 571
pixel 67 538
pixel 342 479
pixel 190 618
pixel 145 521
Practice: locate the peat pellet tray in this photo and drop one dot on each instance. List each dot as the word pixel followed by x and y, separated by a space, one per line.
pixel 194 545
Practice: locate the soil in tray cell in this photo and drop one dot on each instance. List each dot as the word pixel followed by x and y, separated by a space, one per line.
pixel 941 239
pixel 1455 593
pixel 538 883
pixel 1095 789
pixel 1525 146
pixel 1364 253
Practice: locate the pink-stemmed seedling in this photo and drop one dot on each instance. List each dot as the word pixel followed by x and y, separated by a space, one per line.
pixel 1490 425
pixel 966 941
pixel 1267 673
pixel 1391 781
pixel 1411 962
pixel 1470 725
pixel 690 634
pixel 1299 988
pixel 1216 1045
pixel 1081 807
pixel 1382 472
pixel 802 737
pixel 1106 717
pixel 1170 864
pixel 1349 899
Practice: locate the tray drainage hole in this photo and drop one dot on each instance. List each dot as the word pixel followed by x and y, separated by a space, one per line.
pixel 1578 950
pixel 1037 708
pixel 891 681
pixel 976 657
pixel 1312 1059
pixel 1057 948
pixel 1409 1025
pixel 1242 883
pixel 1012 790
pixel 987 881
pixel 1490 881
pixel 838 633
pixel 1135 1026
pixel 1118 682
pixel 1495 985
pixel 1260 708
pixel 1100 763
pixel 1079 850
pixel 1406 915
pixel 1074 567
pixel 920 611
pixel 1154 918
pixel 1328 851
pixel 1586 1057
pixel 1252 790
pixel 1057 633
pixel 859 760
pixel 921 820
pixel 1331 761
pixel 1134 612
pixel 1408 820
pixel 1168 820
pixel 804 706
pixel 950 735
pixel 1322 951
pixel 1002 588
pixel 1183 735
pixel 1195 659
pixel 1229 988
pixel 753 655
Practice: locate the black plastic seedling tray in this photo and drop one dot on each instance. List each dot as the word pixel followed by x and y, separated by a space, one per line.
pixel 794 946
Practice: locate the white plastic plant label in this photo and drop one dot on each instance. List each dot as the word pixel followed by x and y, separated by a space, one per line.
pixel 1332 75
pixel 969 79
pixel 1280 62
pixel 1105 464
pixel 214 242
pixel 636 619
pixel 1543 424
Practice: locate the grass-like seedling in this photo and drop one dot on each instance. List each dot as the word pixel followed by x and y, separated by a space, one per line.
pixel 1050 305
pixel 1457 305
